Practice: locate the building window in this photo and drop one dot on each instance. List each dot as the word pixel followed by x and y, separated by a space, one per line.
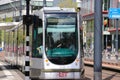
pixel 106 23
pixel 106 5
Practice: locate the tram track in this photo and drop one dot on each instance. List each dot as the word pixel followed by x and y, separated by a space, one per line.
pixel 107 65
pixel 107 73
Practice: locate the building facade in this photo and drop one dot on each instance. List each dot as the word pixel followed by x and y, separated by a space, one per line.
pixel 108 26
pixel 17 8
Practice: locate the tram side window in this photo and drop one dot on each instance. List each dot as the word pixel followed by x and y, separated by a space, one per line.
pixel 37 40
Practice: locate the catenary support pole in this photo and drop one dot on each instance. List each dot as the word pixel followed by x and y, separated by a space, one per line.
pixel 116 44
pixel 27 57
pixel 116 40
pixel 20 11
pixel 44 3
pixel 98 40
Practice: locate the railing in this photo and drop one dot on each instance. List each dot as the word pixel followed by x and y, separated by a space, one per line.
pixel 106 55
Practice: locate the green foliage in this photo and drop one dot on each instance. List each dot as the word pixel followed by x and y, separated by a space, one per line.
pixel 67 4
pixel 20 36
pixel 89 42
pixel 6 37
pixel 2 35
pixel 1 20
pixel 10 19
pixel 12 36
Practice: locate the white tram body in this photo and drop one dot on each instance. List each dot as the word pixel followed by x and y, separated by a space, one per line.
pixel 55 43
pixel 60 29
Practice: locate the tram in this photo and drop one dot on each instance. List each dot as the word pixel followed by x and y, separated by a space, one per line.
pixel 55 42
pixel 15 46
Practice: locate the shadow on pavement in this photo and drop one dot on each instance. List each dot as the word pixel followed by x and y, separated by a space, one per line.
pixel 110 77
pixel 65 79
pixel 86 78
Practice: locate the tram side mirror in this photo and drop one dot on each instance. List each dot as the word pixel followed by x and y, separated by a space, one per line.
pixel 36 21
pixel 27 19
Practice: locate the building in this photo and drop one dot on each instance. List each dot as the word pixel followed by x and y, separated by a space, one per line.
pixel 16 8
pixel 108 27
pixel 13 10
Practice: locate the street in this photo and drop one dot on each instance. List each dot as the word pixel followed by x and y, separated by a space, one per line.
pixel 106 74
pixel 7 73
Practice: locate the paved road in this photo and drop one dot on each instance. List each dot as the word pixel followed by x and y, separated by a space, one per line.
pixel 6 73
pixel 2 55
pixel 106 74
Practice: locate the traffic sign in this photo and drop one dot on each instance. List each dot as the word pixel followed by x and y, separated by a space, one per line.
pixel 114 13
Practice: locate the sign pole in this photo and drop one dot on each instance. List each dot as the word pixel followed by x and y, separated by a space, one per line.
pixel 98 40
pixel 117 39
pixel 117 24
pixel 114 13
pixel 27 57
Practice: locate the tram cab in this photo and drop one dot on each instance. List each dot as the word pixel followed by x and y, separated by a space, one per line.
pixel 56 32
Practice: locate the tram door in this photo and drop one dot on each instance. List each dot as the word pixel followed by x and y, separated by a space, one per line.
pixel 37 39
pixel 37 42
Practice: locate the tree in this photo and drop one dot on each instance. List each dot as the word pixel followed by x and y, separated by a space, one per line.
pixel 9 19
pixel 68 4
pixel 1 20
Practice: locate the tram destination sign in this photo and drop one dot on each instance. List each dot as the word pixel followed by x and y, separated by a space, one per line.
pixel 114 13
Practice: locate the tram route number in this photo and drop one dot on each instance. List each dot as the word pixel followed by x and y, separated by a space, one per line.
pixel 62 74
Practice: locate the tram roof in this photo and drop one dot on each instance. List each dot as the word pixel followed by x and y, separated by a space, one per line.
pixel 8 25
pixel 52 9
pixel 58 9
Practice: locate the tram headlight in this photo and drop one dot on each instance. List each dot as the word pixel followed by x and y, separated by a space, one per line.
pixel 77 61
pixel 47 62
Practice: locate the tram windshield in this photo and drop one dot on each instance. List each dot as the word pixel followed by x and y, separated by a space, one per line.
pixel 61 37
